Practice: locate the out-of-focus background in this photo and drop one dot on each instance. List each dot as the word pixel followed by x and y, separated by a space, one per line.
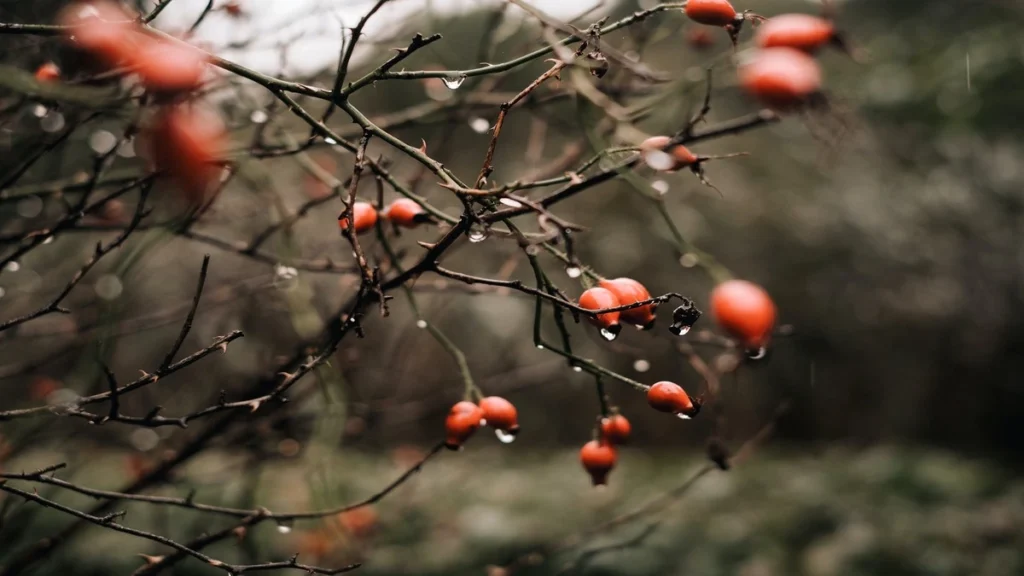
pixel 888 229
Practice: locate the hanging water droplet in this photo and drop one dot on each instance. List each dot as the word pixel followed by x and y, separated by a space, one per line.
pixel 421 324
pixel 479 125
pixel 52 122
pixel 504 437
pixel 680 330
pixel 532 250
pixel 49 240
pixel 540 346
pixel 284 529
pixel 659 160
pixel 477 234
pixel 683 416
pixel 660 186
pixel 102 142
pixel 608 334
pixel 13 266
pixel 39 111
pixel 285 277
pixel 683 318
pixel 330 140
pixel 511 203
pixel 641 365
pixel 757 353
pixel 258 117
pixel 600 487
pixel 126 149
pixel 453 82
pixel 573 271
pixel 577 369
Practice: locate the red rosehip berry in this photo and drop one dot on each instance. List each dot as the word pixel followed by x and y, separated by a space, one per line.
pixel 782 78
pixel 744 310
pixel 365 216
pixel 500 414
pixel 670 397
pixel 598 459
pixel 629 291
pixel 598 299
pixel 462 421
pixel 188 143
pixel 48 72
pixel 711 12
pixel 656 156
pixel 169 66
pixel 615 429
pixel 800 31
pixel 103 29
pixel 405 212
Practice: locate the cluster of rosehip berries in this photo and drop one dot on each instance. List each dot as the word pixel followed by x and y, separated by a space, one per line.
pixel 402 212
pixel 181 140
pixel 465 417
pixel 780 72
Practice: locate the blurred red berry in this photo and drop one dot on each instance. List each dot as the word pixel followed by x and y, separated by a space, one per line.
pixel 598 299
pixel 48 72
pixel 463 420
pixel 188 143
pixel 365 216
pixel 629 291
pixel 711 12
pixel 744 310
pixel 669 397
pixel 782 78
pixel 598 459
pixel 405 212
pixel 500 414
pixel 166 66
pixel 615 429
pixel 800 31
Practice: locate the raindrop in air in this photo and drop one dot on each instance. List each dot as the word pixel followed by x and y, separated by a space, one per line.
pixel 511 203
pixel 641 365
pixel 258 117
pixel 478 124
pixel 608 334
pixel 102 141
pixel 453 82
pixel 505 437
pixel 573 271
pixel 683 416
pixel 659 160
pixel 52 122
pixel 660 186
pixel 757 353
pixel 477 235
pixel 421 324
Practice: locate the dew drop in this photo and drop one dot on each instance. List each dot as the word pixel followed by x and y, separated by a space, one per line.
pixel 641 365
pixel 13 266
pixel 757 353
pixel 330 140
pixel 511 203
pixel 479 125
pixel 608 334
pixel 573 271
pixel 540 346
pixel 681 330
pixel 659 160
pixel 577 369
pixel 421 324
pixel 660 186
pixel 477 235
pixel 258 117
pixel 39 111
pixel 284 529
pixel 505 437
pixel 682 416
pixel 48 240
pixel 453 82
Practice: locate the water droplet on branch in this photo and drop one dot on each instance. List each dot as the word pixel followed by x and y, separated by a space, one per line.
pixel 477 234
pixel 573 271
pixel 453 82
pixel 421 324
pixel 756 354
pixel 683 416
pixel 608 334
pixel 479 125
pixel 683 318
pixel 505 437
pixel 511 203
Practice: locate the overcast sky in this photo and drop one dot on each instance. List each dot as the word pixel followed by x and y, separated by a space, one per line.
pixel 312 28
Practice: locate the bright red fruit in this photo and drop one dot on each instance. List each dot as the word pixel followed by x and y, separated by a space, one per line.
pixel 188 143
pixel 679 156
pixel 781 77
pixel 169 66
pixel 365 216
pixel 629 291
pixel 745 310
pixel 463 419
pixel 598 299
pixel 405 212
pixel 598 458
pixel 800 31
pixel 669 397
pixel 615 429
pixel 48 72
pixel 500 414
pixel 711 12
pixel 104 29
